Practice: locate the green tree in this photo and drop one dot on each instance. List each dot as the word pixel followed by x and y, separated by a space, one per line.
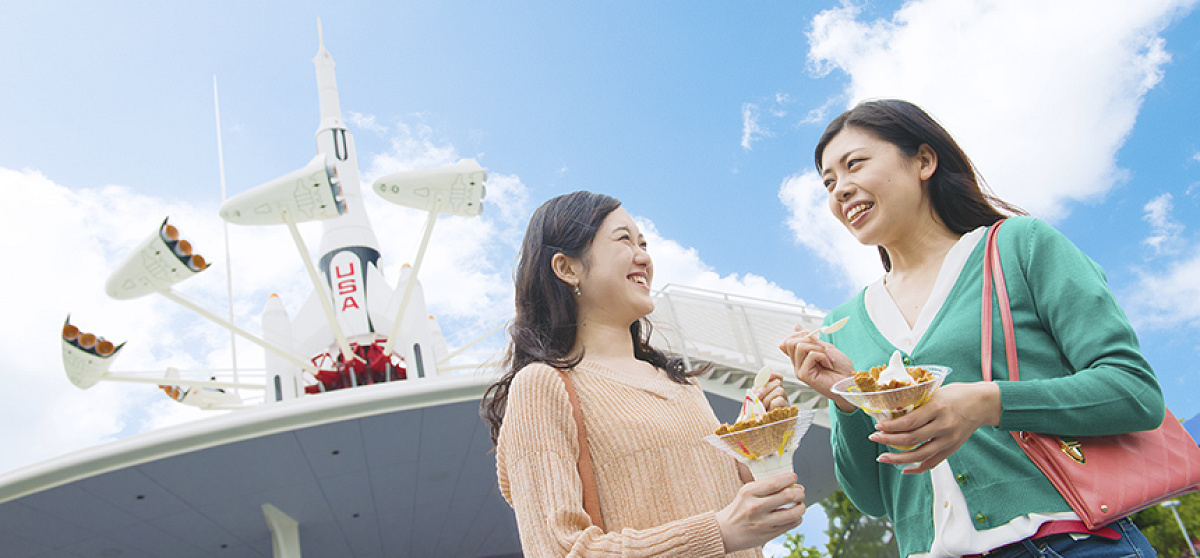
pixel 796 549
pixel 853 533
pixel 1159 525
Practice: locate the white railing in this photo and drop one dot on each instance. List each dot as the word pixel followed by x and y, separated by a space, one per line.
pixel 736 335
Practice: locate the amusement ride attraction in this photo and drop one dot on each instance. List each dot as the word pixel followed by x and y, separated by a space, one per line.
pixel 366 439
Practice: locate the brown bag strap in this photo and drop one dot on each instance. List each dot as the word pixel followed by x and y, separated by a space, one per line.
pixel 591 500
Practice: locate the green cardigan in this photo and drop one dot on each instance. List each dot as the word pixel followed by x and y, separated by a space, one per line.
pixel 1081 374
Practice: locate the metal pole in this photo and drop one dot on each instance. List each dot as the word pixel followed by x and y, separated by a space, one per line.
pixel 412 278
pixel 758 360
pixel 1187 540
pixel 687 361
pixel 326 299
pixel 225 228
pixel 245 334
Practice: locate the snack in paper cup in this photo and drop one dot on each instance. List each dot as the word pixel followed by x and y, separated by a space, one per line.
pixel 763 440
pixel 765 444
pixel 896 402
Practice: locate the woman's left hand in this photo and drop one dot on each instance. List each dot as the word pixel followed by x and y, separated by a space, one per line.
pixel 943 423
pixel 772 394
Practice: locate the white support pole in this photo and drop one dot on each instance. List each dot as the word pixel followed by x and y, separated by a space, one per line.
pixel 459 350
pixel 285 532
pixel 412 277
pixel 116 377
pixel 245 334
pixel 323 294
pixel 225 228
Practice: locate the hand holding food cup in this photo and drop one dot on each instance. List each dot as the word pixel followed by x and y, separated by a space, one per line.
pixel 943 424
pixel 761 511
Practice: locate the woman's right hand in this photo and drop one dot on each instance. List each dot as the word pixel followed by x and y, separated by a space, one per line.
pixel 756 514
pixel 818 364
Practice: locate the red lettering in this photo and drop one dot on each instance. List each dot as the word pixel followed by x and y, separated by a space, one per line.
pixel 349 303
pixel 349 286
pixel 338 271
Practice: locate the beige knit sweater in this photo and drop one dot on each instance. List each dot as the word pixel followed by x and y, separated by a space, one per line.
pixel 660 485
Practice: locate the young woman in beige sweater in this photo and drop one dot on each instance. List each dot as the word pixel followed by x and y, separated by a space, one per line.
pixel 582 293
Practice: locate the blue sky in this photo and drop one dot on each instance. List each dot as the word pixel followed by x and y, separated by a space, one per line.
pixel 699 116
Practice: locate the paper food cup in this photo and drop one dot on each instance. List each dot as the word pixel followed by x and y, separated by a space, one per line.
pixel 892 403
pixel 767 449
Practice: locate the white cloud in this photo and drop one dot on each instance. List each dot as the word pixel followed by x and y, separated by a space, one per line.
pixel 1167 300
pixel 1015 82
pixel 1165 231
pixel 751 130
pixel 412 147
pixel 753 116
pixel 675 264
pixel 781 100
pixel 820 115
pixel 367 122
pixel 61 244
pixel 815 228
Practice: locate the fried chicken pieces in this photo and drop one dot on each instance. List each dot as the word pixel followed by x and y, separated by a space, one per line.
pixel 867 380
pixel 775 415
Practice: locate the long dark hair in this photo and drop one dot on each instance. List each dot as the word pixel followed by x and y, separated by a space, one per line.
pixel 960 199
pixel 547 315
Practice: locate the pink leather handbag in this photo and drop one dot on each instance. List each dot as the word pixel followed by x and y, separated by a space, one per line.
pixel 1103 478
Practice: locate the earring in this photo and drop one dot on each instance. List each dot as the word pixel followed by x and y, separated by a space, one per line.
pixel 576 288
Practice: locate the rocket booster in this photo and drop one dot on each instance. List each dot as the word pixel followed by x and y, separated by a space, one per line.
pixel 283 378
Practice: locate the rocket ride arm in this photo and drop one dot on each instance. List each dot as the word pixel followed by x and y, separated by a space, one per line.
pixel 310 193
pixel 179 299
pixel 456 189
pixel 203 394
pixel 165 259
pixel 87 358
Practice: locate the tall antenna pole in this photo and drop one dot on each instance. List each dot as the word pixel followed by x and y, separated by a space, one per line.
pixel 225 225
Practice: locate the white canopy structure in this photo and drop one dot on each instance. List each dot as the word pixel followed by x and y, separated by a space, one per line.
pixel 393 469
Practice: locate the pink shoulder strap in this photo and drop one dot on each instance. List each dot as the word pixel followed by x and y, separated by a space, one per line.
pixel 993 274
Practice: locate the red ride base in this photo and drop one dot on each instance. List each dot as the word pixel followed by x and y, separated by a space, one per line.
pixel 371 367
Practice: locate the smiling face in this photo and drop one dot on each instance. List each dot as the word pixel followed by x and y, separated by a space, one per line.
pixel 614 279
pixel 875 190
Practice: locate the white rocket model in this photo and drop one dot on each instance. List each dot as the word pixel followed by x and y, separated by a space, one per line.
pixel 354 326
pixel 354 329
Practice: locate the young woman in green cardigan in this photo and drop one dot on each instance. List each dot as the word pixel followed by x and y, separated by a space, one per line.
pixel 897 180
